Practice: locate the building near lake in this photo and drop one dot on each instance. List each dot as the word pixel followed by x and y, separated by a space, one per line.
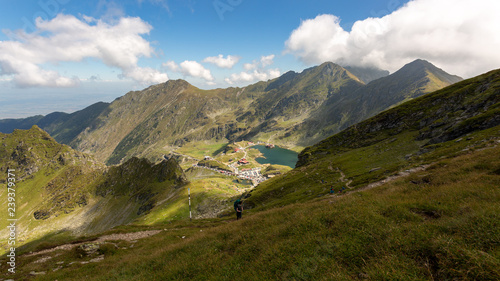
pixel 243 161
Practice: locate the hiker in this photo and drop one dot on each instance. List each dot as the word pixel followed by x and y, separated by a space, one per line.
pixel 331 190
pixel 238 208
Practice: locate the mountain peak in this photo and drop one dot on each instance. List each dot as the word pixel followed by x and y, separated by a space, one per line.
pixel 422 67
pixel 37 132
pixel 329 69
pixel 177 83
pixel 328 66
pixel 417 65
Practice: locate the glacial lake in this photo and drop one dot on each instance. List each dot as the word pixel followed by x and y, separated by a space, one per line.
pixel 277 155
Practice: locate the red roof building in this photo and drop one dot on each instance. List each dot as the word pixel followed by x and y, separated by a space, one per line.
pixel 243 161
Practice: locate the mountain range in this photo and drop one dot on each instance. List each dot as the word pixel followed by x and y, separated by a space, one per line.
pixel 410 192
pixel 449 122
pixel 294 110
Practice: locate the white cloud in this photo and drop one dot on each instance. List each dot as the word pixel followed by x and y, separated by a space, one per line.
pixel 172 66
pixel 222 62
pixel 267 60
pixel 255 71
pixel 256 75
pixel 110 10
pixel 145 75
pixel 263 62
pixel 461 36
pixel 68 39
pixel 190 68
pixel 250 66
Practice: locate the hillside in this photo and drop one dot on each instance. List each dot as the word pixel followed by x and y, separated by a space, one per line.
pixel 58 188
pixel 292 102
pixel 294 111
pixel 62 193
pixel 412 80
pixel 449 122
pixel 420 203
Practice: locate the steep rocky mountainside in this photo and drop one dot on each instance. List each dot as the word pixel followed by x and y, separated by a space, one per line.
pixel 294 103
pixel 294 110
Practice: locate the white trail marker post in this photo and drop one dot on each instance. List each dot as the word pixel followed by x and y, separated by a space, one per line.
pixel 189 195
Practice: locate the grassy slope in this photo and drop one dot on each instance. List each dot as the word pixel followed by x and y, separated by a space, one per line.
pixel 74 123
pixel 77 195
pixel 50 177
pixel 416 133
pixel 440 223
pixel 437 224
pixel 70 191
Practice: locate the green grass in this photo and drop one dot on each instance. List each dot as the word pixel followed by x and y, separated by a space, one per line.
pixel 442 228
pixel 210 197
pixel 275 170
pixel 303 184
pixel 49 177
pixel 214 165
pixel 437 224
pixel 201 149
pixel 447 123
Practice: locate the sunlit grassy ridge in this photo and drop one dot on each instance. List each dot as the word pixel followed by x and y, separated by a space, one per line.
pixel 62 192
pixel 51 181
pixel 437 224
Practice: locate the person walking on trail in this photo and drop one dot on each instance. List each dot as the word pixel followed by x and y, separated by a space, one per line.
pixel 238 208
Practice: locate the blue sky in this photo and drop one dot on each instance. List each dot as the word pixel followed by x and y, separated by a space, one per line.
pixel 63 55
